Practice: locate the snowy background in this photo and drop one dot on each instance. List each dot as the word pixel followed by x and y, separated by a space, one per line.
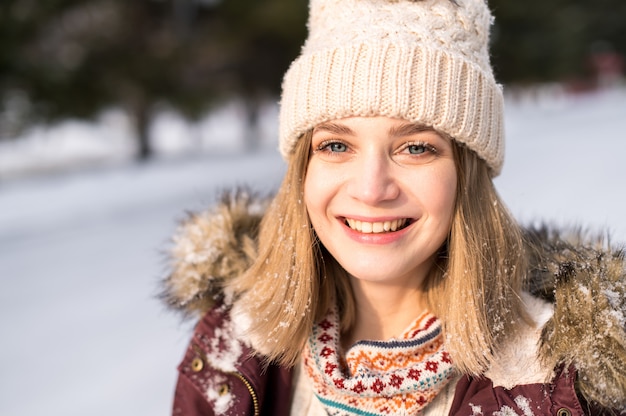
pixel 82 250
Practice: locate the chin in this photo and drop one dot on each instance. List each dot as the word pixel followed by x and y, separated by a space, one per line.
pixel 377 275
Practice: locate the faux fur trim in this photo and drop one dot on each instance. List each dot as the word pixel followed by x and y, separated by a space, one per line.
pixel 586 280
pixel 517 361
pixel 583 279
pixel 210 248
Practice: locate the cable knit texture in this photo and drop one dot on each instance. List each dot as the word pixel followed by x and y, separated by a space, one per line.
pixel 422 61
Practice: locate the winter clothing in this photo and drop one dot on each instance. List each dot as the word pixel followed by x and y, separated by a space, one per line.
pixel 399 376
pixel 427 62
pixel 573 364
pixel 221 376
pixel 422 61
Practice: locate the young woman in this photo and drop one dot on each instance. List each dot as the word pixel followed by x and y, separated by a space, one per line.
pixel 386 277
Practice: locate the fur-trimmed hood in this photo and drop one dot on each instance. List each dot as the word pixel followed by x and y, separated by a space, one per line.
pixel 582 279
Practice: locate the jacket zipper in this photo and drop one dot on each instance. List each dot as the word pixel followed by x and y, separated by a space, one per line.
pixel 244 380
pixel 255 400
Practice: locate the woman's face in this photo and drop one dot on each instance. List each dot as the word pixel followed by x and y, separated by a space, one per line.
pixel 380 193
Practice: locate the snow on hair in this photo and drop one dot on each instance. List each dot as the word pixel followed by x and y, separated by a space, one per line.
pixel 294 280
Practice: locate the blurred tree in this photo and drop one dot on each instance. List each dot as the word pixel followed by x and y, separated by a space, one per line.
pixel 261 39
pixel 552 40
pixel 72 58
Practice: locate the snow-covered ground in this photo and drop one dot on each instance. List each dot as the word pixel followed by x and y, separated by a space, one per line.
pixel 564 161
pixel 81 253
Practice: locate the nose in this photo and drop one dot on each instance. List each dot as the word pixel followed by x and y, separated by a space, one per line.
pixel 372 180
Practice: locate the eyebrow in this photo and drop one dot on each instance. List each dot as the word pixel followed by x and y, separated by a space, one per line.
pixel 334 128
pixel 406 129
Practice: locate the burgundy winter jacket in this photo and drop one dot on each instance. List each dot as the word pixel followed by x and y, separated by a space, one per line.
pixel 251 389
pixel 583 282
pixel 247 389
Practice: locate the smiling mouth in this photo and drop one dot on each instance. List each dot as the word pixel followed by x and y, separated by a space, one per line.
pixel 377 227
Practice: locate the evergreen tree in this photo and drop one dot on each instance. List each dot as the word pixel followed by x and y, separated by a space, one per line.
pixel 75 58
pixel 552 40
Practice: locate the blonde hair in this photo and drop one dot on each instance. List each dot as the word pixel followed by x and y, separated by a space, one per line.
pixel 473 287
pixel 475 290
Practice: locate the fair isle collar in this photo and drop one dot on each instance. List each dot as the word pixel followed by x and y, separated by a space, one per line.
pixel 399 376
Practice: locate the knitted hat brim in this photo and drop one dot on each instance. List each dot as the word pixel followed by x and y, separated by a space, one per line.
pixel 423 85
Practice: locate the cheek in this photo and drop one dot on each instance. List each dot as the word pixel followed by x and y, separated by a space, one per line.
pixel 313 193
pixel 443 196
pixel 321 186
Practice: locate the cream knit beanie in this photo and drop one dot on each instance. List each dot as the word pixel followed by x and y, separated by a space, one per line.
pixel 425 61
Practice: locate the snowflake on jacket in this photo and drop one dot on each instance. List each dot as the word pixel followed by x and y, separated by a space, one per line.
pixel 576 289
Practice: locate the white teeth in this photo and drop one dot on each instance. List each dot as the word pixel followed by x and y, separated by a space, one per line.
pixel 376 227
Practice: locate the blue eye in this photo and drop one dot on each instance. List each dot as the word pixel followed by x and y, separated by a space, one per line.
pixel 334 147
pixel 337 147
pixel 417 149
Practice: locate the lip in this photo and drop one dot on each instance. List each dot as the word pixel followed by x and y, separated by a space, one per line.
pixel 376 238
